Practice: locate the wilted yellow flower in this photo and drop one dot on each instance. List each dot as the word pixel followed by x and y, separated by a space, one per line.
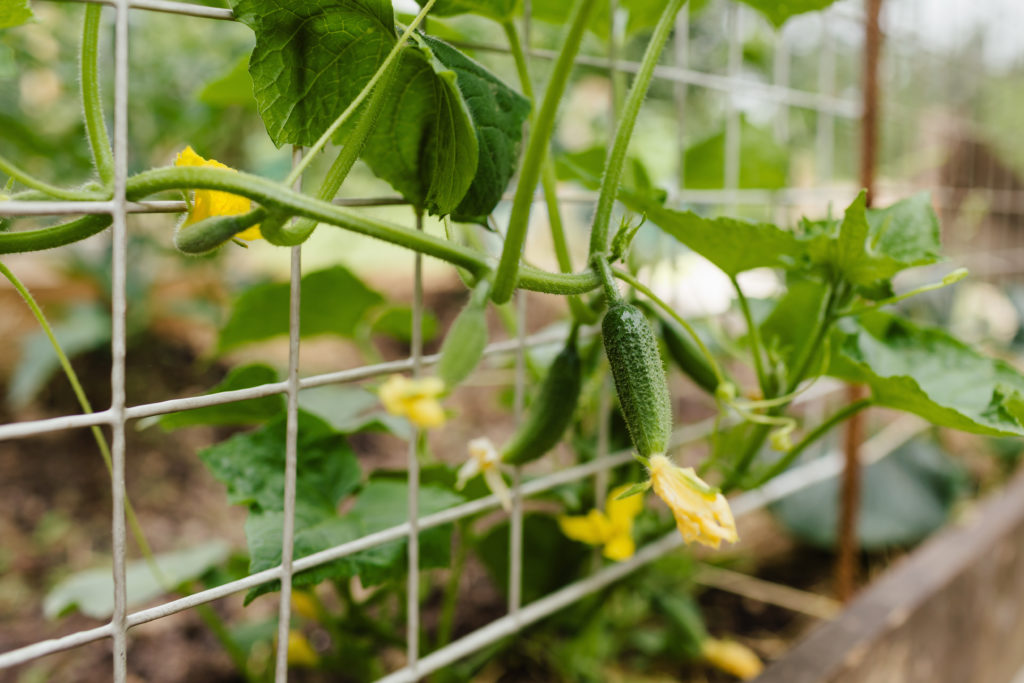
pixel 484 459
pixel 300 652
pixel 206 203
pixel 731 657
pixel 702 513
pixel 612 528
pixel 416 399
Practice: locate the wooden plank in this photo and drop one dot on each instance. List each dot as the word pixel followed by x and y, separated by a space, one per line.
pixel 950 612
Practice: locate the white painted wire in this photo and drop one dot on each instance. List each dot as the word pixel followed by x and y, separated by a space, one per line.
pixel 291 453
pixel 118 313
pixel 413 474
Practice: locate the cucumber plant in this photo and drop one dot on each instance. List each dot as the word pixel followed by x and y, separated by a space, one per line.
pixel 446 133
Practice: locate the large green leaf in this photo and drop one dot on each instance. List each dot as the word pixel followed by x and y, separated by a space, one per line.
pixel 91 592
pixel 381 504
pixel 498 115
pixel 903 499
pixel 779 11
pixel 250 411
pixel 14 13
pixel 251 465
pixel 928 372
pixel 499 10
pixel 764 163
pixel 424 142
pixel 334 301
pixel 233 88
pixel 311 59
pixel 869 246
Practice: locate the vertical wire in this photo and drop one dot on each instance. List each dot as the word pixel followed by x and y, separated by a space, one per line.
pixel 284 615
pixel 515 532
pixel 826 121
pixel 780 76
pixel 413 473
pixel 732 115
pixel 117 343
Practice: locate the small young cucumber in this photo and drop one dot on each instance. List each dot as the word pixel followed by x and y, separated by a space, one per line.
pixel 551 411
pixel 464 345
pixel 639 376
pixel 684 352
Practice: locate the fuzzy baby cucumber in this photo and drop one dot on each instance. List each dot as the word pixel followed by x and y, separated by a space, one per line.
pixel 639 376
pixel 464 345
pixel 551 411
pixel 684 353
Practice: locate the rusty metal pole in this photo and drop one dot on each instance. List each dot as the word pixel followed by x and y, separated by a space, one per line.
pixel 846 563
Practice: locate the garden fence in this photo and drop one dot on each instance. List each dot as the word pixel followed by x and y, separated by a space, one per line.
pixel 835 105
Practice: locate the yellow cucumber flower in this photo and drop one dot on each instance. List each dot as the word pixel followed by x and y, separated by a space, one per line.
pixel 732 657
pixel 304 604
pixel 484 459
pixel 300 651
pixel 207 203
pixel 416 399
pixel 612 528
pixel 702 513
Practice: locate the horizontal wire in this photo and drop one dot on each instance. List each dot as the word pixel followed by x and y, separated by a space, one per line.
pixel 681 437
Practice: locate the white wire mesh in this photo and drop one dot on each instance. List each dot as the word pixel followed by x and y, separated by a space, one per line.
pixel 824 102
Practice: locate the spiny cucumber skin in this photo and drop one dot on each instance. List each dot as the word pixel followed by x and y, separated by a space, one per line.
pixel 639 376
pixel 551 412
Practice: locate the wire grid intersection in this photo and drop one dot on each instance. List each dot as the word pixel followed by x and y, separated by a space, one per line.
pixel 827 105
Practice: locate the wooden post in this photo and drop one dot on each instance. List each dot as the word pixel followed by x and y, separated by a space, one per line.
pixel 846 563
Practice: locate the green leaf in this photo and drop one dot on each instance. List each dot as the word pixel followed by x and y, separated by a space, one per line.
pixel 91 592
pixel 788 328
pixel 499 10
pixel 311 59
pixel 86 327
pixel 498 114
pixel 928 372
pixel 250 411
pixel 381 504
pixel 551 562
pixel 764 163
pixel 231 89
pixel 424 142
pixel 904 498
pixel 251 465
pixel 870 246
pixel 641 15
pixel 779 11
pixel 732 244
pixel 396 322
pixel 351 409
pixel 14 13
pixel 334 301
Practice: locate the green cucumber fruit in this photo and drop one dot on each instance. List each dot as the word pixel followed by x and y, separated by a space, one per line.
pixel 684 352
pixel 463 347
pixel 551 411
pixel 639 376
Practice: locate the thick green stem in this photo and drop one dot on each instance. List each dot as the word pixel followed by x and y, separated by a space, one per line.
pixel 83 402
pixel 55 236
pixel 617 154
pixel 92 100
pixel 580 311
pixel 646 291
pixel 780 466
pixel 603 269
pixel 302 228
pixel 28 180
pixel 536 151
pixel 363 94
pixel 756 346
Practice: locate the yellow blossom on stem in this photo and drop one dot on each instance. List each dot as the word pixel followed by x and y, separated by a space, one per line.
pixel 415 399
pixel 484 459
pixel 300 651
pixel 612 528
pixel 702 513
pixel 207 203
pixel 732 657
